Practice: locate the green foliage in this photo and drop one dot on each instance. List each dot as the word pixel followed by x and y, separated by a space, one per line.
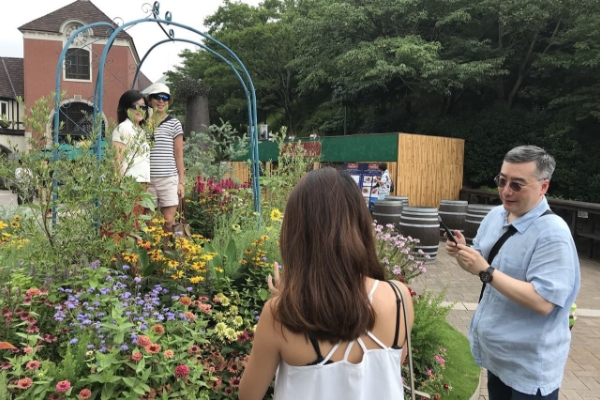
pixel 426 338
pixel 461 371
pixel 495 73
pixel 205 154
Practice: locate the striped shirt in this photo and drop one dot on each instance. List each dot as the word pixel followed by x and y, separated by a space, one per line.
pixel 162 155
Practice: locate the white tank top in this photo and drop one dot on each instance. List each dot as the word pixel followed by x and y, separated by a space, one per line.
pixel 376 377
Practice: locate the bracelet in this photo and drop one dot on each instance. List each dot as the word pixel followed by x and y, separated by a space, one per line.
pixel 181 183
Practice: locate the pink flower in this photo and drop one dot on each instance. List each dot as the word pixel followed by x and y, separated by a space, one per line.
pixel 33 365
pixel 182 371
pixel 429 372
pixel 24 383
pixel 63 386
pixel 85 394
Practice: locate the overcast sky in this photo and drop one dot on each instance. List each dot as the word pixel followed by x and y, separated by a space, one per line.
pixel 162 59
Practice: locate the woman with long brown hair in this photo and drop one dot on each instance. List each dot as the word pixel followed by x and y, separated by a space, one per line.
pixel 334 329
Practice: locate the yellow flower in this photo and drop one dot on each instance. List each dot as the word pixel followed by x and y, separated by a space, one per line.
pixel 217 269
pixel 276 215
pixel 225 301
pixel 264 237
pixel 221 327
pixel 14 224
pixel 173 263
pixel 233 310
pixel 198 265
pixel 177 275
pixel 16 218
pixel 230 334
pixel 238 321
pixel 2 225
pixel 197 279
pixel 236 227
pixel 248 251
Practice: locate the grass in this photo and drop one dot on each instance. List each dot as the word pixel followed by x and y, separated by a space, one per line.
pixel 461 371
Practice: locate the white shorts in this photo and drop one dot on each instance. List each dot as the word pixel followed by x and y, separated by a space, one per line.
pixel 164 191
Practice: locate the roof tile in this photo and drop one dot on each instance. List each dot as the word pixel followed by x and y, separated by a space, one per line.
pixel 82 10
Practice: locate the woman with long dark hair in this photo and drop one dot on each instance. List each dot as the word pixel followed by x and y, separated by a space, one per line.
pixel 132 150
pixel 334 329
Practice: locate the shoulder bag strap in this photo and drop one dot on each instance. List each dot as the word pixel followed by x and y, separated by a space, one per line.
pixel 511 231
pixel 410 389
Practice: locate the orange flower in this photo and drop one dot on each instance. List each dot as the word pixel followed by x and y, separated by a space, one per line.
pixel 24 383
pixel 189 315
pixel 153 348
pixel 158 329
pixel 186 301
pixel 137 356
pixel 168 353
pixel 143 341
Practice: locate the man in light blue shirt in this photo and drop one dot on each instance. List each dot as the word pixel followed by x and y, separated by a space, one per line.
pixel 520 331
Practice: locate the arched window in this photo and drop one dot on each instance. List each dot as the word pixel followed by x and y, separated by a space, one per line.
pixel 76 120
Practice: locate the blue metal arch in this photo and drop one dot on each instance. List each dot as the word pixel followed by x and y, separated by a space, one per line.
pixel 98 96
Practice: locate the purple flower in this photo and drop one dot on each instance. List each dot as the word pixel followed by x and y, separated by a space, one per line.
pixel 124 347
pixel 137 279
pixel 189 288
pixel 125 267
pixel 73 341
pixel 90 346
pixel 95 264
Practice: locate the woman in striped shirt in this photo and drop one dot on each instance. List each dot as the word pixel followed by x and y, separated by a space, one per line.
pixel 167 180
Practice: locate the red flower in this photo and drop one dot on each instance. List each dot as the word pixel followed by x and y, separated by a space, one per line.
pixel 5 365
pixel 6 312
pixel 48 338
pixel 24 316
pixel 26 300
pixel 228 390
pixel 24 383
pixel 33 292
pixel 194 349
pixel 234 381
pixel 32 329
pixel 33 365
pixel 84 394
pixel 182 371
pixel 63 386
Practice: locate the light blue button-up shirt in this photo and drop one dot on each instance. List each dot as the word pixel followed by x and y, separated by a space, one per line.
pixel 526 350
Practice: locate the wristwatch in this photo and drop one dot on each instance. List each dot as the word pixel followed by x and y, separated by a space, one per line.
pixel 487 275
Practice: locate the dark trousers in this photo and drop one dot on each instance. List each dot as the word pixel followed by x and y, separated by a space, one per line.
pixel 499 391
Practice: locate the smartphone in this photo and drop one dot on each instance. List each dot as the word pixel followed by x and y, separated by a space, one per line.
pixel 448 231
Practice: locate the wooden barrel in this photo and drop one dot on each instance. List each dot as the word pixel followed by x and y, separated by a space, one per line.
pixel 422 223
pixel 387 212
pixel 475 214
pixel 453 213
pixel 403 199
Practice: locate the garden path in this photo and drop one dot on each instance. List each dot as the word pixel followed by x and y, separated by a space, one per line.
pixel 582 372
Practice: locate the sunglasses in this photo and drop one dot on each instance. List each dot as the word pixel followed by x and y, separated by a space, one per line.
pixel 514 186
pixel 163 97
pixel 140 106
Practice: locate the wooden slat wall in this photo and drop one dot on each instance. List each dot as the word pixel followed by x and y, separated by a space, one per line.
pixel 429 169
pixel 241 172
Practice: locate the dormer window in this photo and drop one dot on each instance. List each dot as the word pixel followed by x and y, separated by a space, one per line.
pixel 78 59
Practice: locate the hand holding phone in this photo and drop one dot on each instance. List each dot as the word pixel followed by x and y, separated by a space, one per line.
pixel 448 231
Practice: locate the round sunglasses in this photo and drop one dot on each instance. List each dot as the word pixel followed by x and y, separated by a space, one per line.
pixel 514 186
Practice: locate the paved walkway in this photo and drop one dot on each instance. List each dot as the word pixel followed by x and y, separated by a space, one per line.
pixel 582 372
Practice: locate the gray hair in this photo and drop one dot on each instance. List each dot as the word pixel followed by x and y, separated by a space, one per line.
pixel 544 162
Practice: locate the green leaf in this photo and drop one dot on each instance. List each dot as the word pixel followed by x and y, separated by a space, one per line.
pixel 263 294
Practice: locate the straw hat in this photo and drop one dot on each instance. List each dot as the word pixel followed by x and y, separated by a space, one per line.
pixel 157 88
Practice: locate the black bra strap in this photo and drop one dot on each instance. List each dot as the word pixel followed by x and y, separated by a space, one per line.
pixel 315 346
pixel 396 289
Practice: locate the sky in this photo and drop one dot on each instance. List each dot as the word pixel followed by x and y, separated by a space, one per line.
pixel 162 59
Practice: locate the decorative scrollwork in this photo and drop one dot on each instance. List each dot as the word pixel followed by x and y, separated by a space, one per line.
pixel 168 16
pixel 147 8
pixel 171 33
pixel 156 9
pixel 118 21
